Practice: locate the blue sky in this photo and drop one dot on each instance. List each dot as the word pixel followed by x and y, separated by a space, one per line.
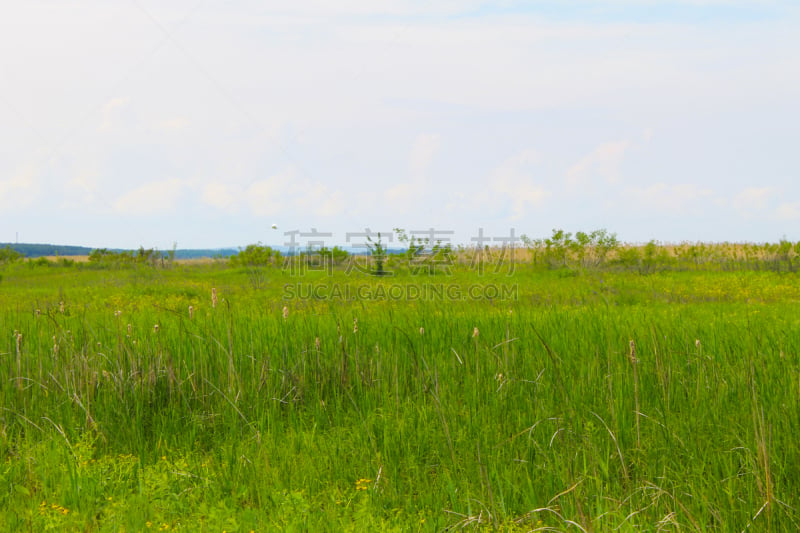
pixel 133 123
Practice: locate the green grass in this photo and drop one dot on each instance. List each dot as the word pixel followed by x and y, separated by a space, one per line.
pixel 234 420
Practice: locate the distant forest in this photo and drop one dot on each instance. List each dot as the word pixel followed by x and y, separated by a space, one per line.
pixel 40 250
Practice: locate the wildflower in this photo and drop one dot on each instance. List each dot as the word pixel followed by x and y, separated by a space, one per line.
pixel 117 313
pixel 285 312
pixel 53 507
pixel 191 312
pixel 155 328
pixel 697 343
pixel 214 297
pixel 61 306
pixel 475 332
pixel 363 484
pixel 422 331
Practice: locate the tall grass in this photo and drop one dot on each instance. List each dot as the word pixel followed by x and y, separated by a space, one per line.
pixel 591 403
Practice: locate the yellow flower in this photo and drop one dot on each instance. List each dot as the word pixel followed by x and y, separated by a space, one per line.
pixel 363 484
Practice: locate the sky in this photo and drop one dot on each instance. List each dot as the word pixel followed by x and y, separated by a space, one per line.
pixel 206 122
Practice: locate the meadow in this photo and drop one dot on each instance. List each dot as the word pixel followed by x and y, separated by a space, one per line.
pixel 533 397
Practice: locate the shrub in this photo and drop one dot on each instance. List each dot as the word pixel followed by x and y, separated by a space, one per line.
pixel 255 255
pixel 8 255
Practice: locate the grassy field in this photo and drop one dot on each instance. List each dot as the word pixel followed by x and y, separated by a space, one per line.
pixel 543 399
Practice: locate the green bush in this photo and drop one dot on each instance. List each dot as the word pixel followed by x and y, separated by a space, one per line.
pixel 8 255
pixel 255 255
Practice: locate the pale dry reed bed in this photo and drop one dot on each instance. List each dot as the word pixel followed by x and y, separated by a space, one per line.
pixel 582 406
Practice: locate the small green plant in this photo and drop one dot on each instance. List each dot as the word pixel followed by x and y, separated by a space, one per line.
pixel 425 256
pixel 415 245
pixel 378 253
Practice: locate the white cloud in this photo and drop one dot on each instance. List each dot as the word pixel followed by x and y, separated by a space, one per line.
pixel 21 190
pixel 111 111
pixel 788 211
pixel 173 124
pixel 151 198
pixel 287 194
pixel 317 199
pixel 752 199
pixel 675 199
pixel 271 196
pixel 396 198
pixel 513 184
pixel 81 191
pixel 601 166
pixel 221 195
pixel 422 153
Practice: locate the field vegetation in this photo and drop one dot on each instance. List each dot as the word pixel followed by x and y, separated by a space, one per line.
pixel 576 384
